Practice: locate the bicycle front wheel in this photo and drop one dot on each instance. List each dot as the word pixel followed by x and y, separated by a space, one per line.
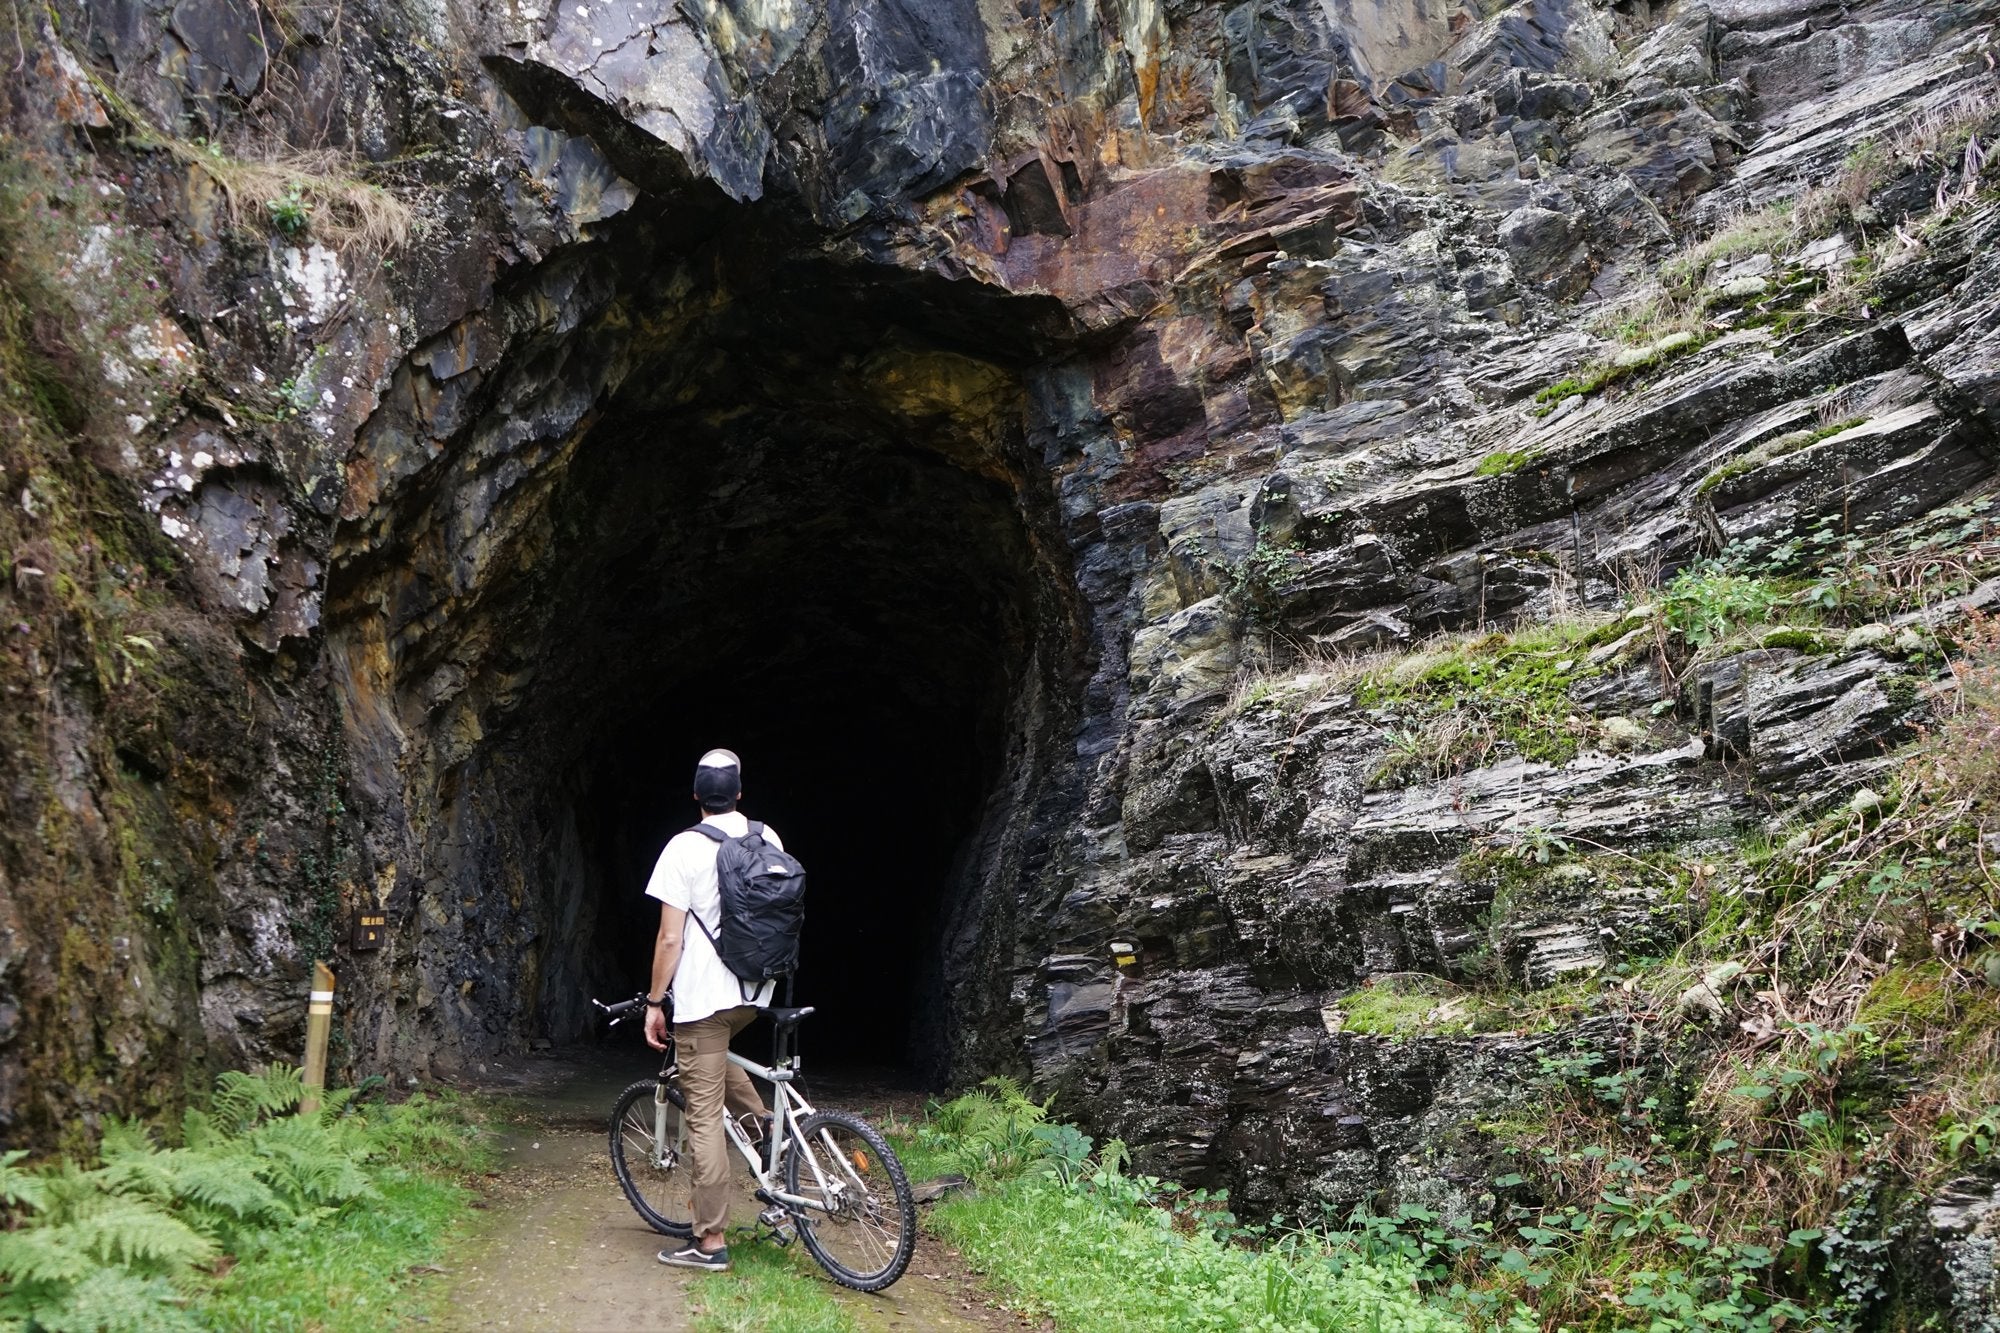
pixel 866 1227
pixel 649 1155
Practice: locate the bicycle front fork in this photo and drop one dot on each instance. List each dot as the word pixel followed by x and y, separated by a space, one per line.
pixel 667 1150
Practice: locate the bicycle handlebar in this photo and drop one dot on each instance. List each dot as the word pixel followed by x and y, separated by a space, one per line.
pixel 623 1009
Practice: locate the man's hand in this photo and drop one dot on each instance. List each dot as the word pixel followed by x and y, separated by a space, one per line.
pixel 656 1028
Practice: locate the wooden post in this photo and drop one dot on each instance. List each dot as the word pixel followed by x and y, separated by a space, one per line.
pixel 319 1023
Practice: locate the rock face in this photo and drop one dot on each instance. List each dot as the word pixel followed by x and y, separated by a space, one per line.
pixel 1026 374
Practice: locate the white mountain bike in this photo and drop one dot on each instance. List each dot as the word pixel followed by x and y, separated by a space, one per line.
pixel 829 1177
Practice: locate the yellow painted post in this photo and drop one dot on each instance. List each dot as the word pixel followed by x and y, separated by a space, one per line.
pixel 319 1023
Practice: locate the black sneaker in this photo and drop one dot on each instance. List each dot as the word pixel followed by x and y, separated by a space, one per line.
pixel 692 1255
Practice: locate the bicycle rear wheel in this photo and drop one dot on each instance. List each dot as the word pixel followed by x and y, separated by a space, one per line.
pixel 649 1155
pixel 866 1232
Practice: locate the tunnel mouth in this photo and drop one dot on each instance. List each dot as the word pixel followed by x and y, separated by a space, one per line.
pixel 808 528
pixel 858 640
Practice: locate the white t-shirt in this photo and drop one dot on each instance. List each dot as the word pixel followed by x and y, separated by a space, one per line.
pixel 684 877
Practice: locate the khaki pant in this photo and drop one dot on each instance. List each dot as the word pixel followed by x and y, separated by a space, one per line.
pixel 710 1081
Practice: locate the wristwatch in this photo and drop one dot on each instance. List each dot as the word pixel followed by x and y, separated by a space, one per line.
pixel 660 1003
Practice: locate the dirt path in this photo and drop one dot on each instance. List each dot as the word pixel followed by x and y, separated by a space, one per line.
pixel 557 1249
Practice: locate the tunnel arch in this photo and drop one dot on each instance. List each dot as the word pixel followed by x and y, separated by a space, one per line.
pixel 794 508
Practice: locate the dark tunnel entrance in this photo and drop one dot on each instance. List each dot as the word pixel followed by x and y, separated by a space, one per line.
pixel 874 791
pixel 865 681
pixel 835 559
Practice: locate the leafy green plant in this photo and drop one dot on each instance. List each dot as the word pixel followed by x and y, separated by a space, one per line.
pixel 1704 603
pixel 1977 1134
pixel 1266 569
pixel 294 398
pixel 1065 1151
pixel 290 213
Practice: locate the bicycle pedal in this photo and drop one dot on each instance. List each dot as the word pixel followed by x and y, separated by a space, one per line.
pixel 779 1224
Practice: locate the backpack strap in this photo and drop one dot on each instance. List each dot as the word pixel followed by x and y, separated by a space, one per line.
pixel 695 917
pixel 708 831
pixel 744 988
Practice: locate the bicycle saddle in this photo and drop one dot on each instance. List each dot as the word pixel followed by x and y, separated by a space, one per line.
pixel 786 1018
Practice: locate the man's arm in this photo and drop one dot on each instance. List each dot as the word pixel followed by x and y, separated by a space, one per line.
pixel 666 958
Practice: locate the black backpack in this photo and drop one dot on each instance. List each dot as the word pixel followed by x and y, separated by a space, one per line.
pixel 763 907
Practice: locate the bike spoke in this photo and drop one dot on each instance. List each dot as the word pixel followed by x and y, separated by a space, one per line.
pixel 861 1226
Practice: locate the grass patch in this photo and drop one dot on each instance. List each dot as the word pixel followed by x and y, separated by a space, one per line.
pixel 1769 230
pixel 1824 209
pixel 1503 461
pixel 301 193
pixel 1405 1006
pixel 1474 697
pixel 1780 446
pixel 289 191
pixel 769 1290
pixel 1099 1258
pixel 1604 374
pixel 348 1275
pixel 1063 1229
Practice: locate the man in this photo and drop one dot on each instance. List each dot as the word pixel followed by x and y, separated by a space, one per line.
pixel 709 1003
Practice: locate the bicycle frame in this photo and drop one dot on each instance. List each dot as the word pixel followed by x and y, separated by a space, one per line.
pixel 787 1108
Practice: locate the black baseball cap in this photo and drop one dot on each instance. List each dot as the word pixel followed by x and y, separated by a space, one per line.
pixel 718 778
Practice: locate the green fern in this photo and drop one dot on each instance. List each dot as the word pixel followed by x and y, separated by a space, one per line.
pixel 110 1301
pixel 305 1166
pixel 116 1245
pixel 225 1184
pixel 18 1188
pixel 990 1131
pixel 137 1233
pixel 86 1227
pixel 43 1256
pixel 241 1100
pixel 428 1129
pixel 217 1180
pixel 68 1192
pixel 125 1138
